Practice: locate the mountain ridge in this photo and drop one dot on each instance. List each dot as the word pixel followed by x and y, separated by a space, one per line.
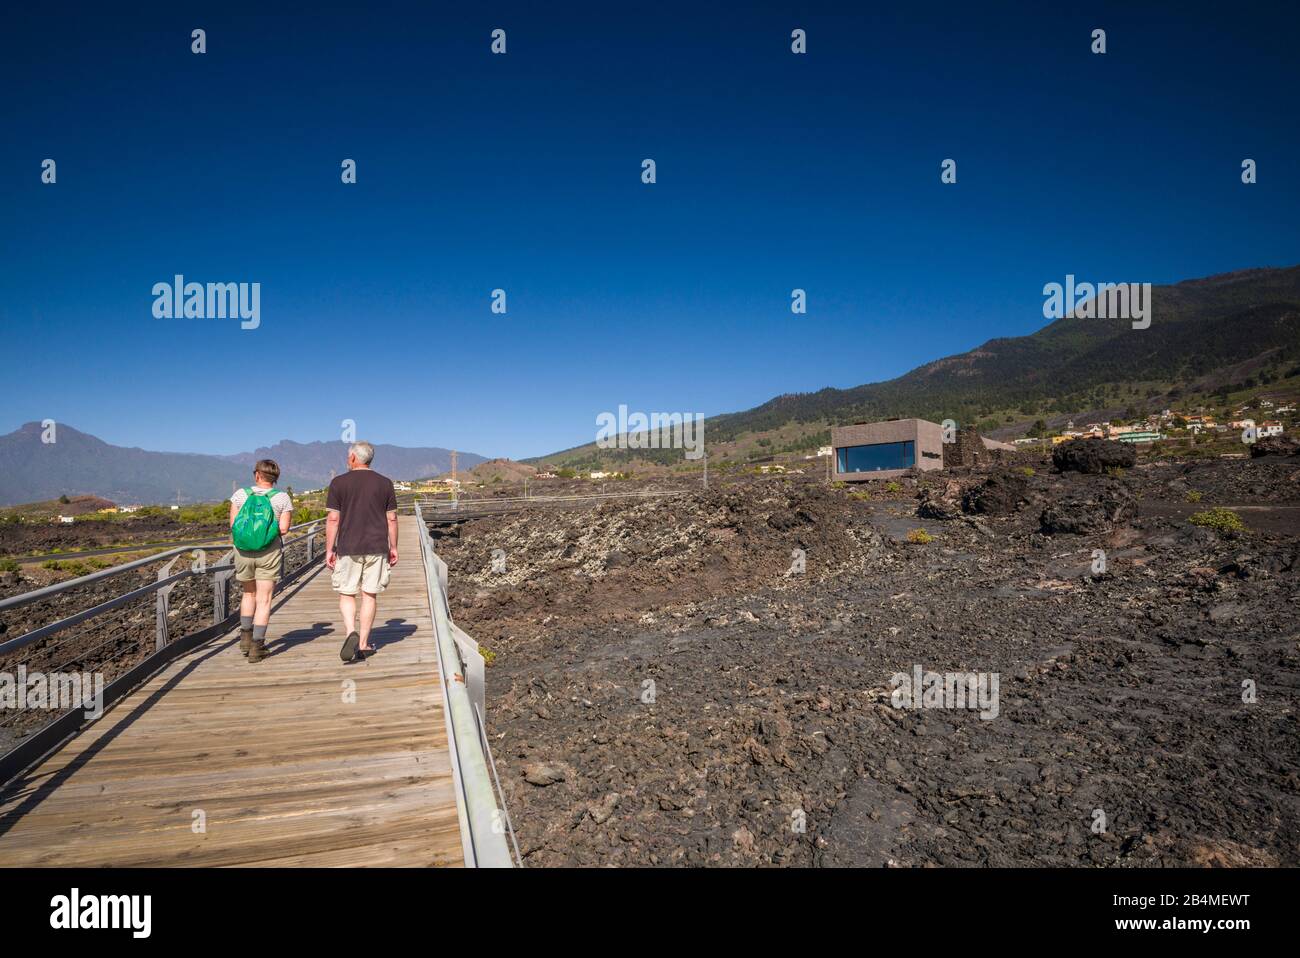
pixel 78 463
pixel 1199 326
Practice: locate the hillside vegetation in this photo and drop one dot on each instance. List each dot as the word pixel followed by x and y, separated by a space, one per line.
pixel 1210 340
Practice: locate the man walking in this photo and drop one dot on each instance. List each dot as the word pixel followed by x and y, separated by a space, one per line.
pixel 360 545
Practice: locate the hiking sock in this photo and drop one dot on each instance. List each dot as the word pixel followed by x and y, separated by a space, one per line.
pixel 245 622
pixel 259 634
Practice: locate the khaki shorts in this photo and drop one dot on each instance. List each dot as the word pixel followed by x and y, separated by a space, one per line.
pixel 264 565
pixel 360 573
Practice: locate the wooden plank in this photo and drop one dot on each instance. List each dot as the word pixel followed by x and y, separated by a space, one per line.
pixel 296 760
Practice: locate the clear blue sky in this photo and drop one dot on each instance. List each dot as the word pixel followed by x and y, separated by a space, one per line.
pixel 522 171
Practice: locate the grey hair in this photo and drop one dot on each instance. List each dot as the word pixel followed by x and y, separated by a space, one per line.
pixel 363 451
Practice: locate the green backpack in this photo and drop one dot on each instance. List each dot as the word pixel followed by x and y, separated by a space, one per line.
pixel 256 526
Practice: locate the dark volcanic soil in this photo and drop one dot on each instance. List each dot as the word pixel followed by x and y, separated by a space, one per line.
pixel 770 737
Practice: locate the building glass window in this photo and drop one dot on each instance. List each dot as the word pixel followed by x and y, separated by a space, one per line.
pixel 878 456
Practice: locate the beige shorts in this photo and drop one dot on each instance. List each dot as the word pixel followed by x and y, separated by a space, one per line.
pixel 264 565
pixel 360 573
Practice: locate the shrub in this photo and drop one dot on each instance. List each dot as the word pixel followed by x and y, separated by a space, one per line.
pixel 8 565
pixel 919 537
pixel 861 494
pixel 1193 496
pixel 893 487
pixel 65 565
pixel 488 655
pixel 1223 521
pixel 1027 471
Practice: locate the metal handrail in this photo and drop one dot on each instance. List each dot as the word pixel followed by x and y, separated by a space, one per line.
pixel 44 740
pixel 165 582
pixel 26 598
pixel 473 768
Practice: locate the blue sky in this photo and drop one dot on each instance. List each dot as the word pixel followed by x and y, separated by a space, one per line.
pixel 522 172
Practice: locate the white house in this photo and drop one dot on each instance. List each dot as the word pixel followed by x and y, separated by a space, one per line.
pixel 1269 427
pixel 67 520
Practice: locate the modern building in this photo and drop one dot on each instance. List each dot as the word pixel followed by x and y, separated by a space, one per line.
pixel 883 450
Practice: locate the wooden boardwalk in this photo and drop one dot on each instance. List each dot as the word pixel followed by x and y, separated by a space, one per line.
pixel 276 761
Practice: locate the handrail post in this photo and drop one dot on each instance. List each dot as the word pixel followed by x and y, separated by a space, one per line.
pixel 219 580
pixel 160 607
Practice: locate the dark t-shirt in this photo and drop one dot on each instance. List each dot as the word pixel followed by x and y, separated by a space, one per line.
pixel 363 499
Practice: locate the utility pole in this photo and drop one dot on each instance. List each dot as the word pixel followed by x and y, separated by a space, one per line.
pixel 454 496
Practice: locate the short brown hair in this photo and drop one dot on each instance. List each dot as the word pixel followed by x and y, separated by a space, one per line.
pixel 269 469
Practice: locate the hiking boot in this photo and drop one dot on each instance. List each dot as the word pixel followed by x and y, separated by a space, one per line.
pixel 245 640
pixel 257 651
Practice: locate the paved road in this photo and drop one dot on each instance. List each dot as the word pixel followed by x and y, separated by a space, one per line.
pixel 117 550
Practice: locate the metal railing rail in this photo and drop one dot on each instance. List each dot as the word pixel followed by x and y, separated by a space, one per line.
pixel 35 746
pixel 166 580
pixel 484 821
pixel 26 598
